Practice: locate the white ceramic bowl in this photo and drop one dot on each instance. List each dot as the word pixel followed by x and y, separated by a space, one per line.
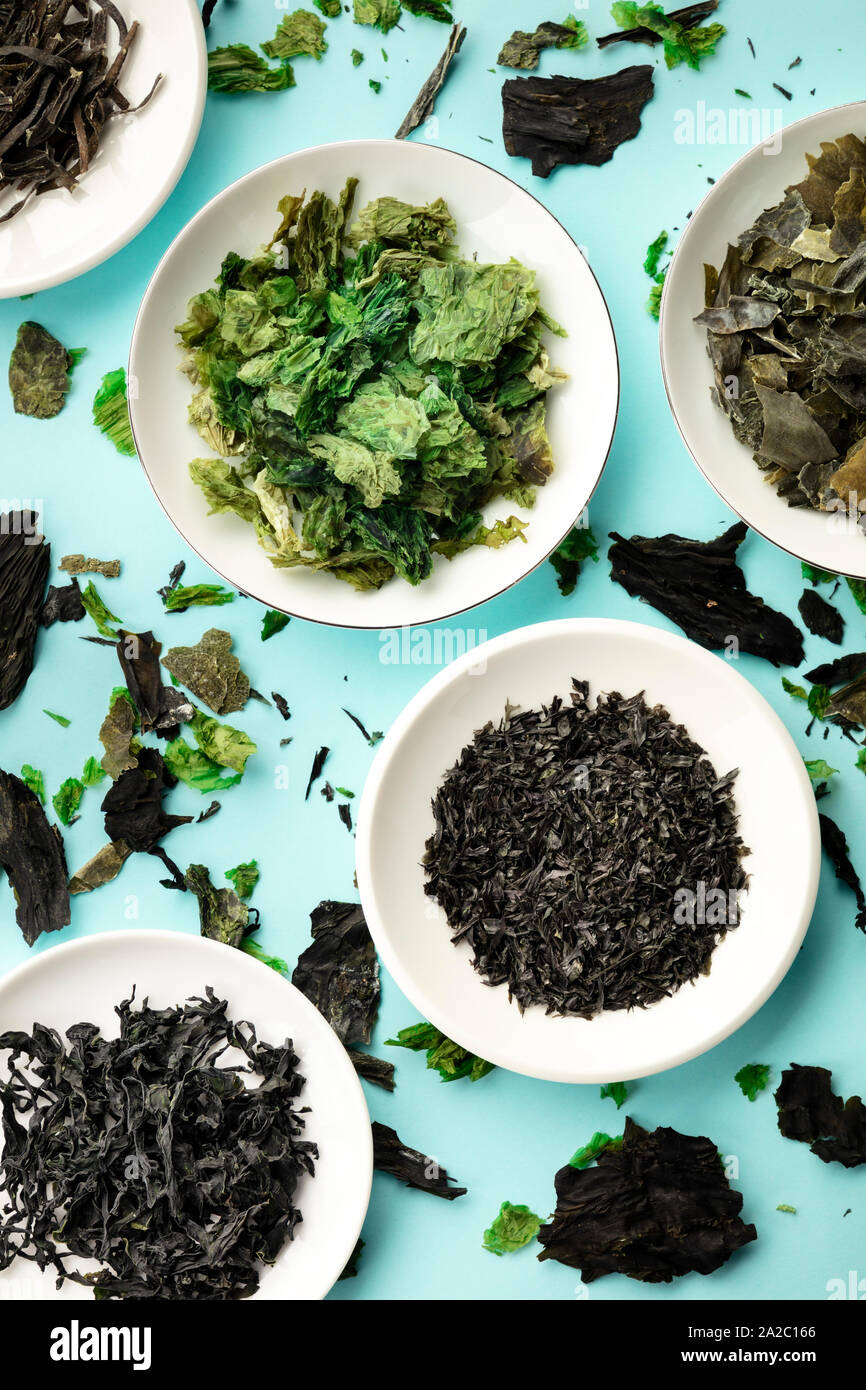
pixel 141 157
pixel 723 713
pixel 85 980
pixel 754 183
pixel 497 220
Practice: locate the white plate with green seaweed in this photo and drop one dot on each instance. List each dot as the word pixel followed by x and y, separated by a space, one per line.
pixel 827 539
pixel 723 714
pixel 140 156
pixel 424 404
pixel 86 980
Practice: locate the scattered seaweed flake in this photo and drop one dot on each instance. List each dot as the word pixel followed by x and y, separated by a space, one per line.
pixel 273 622
pixel 344 811
pixel 174 578
pixel 104 866
pixel 62 605
pixel 211 671
pixel 375 1070
pixel 687 18
pixel 523 50
pixel 839 672
pixel 185 596
pixel 514 1227
pixel 617 1091
pixel 836 849
pixel 658 1207
pixel 410 1166
pixel 215 1188
pixel 60 719
pixel 327 792
pixel 67 799
pixel 422 108
pixel 211 811
pixel 25 560
pixel 811 1113
pixel 244 877
pixel 176 880
pixel 572 120
pixel 138 653
pixel 701 588
pixel 789 96
pixel 820 617
pixel 753 1078
pixel 33 778
pixel 39 366
pixel 590 1151
pixel 351 1269
pixel 316 770
pixel 579 545
pixel 339 972
pixel 99 611
pixel 609 820
pixel 133 804
pixel 32 855
pixel 444 1056
pixel 111 412
pixel 281 703
pixel 81 564
pixel 223 915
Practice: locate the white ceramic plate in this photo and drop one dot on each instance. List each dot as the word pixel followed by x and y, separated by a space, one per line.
pixel 724 713
pixel 84 980
pixel 754 183
pixel 497 220
pixel 140 158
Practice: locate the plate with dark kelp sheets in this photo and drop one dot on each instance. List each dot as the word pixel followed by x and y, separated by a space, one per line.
pixel 588 850
pixel 359 371
pixel 101 107
pixel 762 338
pixel 222 1146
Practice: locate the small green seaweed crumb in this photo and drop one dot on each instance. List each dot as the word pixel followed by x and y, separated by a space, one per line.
pixel 783 1207
pixel 597 1145
pixel 752 1079
pixel 616 1091
pixel 514 1227
pixel 58 718
pixel 357 57
pixel 738 92
pixel 376 86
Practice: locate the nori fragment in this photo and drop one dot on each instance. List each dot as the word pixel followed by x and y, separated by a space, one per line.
pixel 62 604
pixel 811 1113
pixel 820 617
pixel 573 120
pixel 656 1208
pixel 410 1166
pixel 25 559
pixel 31 853
pixel 339 972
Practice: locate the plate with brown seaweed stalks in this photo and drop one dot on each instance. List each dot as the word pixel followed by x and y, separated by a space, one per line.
pixel 222 1146
pixel 588 850
pixel 102 104
pixel 368 333
pixel 762 332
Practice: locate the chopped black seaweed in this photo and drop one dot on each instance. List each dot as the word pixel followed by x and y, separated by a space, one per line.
pixel 281 703
pixel 339 972
pixel 840 671
pixel 39 366
pixel 223 916
pixel 836 849
pixel 811 1113
pixel 82 564
pixel 422 107
pixel 31 852
pixel 62 604
pixel 211 811
pixel 316 770
pixel 25 559
pixel 410 1166
pixel 176 879
pixel 688 18
pixel 373 1069
pixel 133 805
pixel 820 617
pixel 700 587
pixel 345 814
pixel 658 1207
pixel 572 120
pixel 211 671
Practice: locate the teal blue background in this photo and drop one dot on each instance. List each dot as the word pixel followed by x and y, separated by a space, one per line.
pixel 505 1136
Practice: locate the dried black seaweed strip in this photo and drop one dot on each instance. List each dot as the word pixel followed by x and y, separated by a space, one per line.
pixel 339 972
pixel 25 559
pixel 573 120
pixel 316 770
pixel 811 1113
pixel 700 587
pixel 836 848
pixel 31 852
pixel 62 604
pixel 410 1166
pixel 657 1208
pixel 820 617
pixel 422 107
pixel 840 671
pixel 133 805
pixel 570 842
pixel 689 17
pixel 373 1069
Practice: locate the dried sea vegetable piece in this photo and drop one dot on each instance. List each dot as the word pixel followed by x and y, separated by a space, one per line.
pixel 687 18
pixel 25 559
pixel 514 1227
pixel 617 1091
pixel 752 1079
pixel 410 1166
pixel 572 120
pixel 62 604
pixel 32 855
pixel 80 564
pixel 684 42
pixel 820 617
pixel 422 108
pixel 33 778
pixel 811 1113
pixel 238 68
pixel 223 915
pixel 579 545
pixel 133 805
pixel 375 1070
pixel 523 50
pixel 434 9
pixel 211 672
pixel 104 866
pixel 332 8
pixel 700 587
pixel 273 622
pixel 589 1152
pixel 195 1188
pixel 67 800
pixel 116 734
pixel 382 14
pixel 339 972
pixel 319 761
pixel 298 33
pixel 183 596
pixel 656 1208
pixel 38 372
pixel 99 611
pixel 244 877
pixel 111 412
pixel 836 849
pixel 448 1058
pixel 196 769
pixel 138 653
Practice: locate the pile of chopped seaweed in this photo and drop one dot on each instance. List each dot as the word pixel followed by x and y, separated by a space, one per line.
pixel 180 1179
pixel 368 406
pixel 655 1206
pixel 785 329
pixel 566 841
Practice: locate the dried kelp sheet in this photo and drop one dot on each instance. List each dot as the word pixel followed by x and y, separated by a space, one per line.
pixel 811 1112
pixel 31 852
pixel 25 558
pixel 104 866
pixel 700 587
pixel 161 708
pixel 339 973
pixel 573 120
pixel 688 18
pixel 62 604
pixel 422 107
pixel 410 1166
pixel 211 671
pixel 820 617
pixel 839 672
pixel 836 849
pixel 38 369
pixel 223 916
pixel 656 1208
pixel 133 805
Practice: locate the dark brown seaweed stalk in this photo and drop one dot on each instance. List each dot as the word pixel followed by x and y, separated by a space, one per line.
pixel 25 559
pixel 422 107
pixel 573 120
pixel 31 852
pixel 689 17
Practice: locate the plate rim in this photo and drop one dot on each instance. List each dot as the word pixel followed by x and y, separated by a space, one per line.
pixel 49 280
pixel 348 144
pixel 721 181
pixel 160 937
pixel 414 990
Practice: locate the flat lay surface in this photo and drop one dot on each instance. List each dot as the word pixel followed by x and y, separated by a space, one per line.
pixel 505 1135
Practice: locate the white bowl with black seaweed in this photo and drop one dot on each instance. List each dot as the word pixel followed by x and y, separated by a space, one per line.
pixel 811 437
pixel 775 818
pixel 85 981
pixel 495 222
